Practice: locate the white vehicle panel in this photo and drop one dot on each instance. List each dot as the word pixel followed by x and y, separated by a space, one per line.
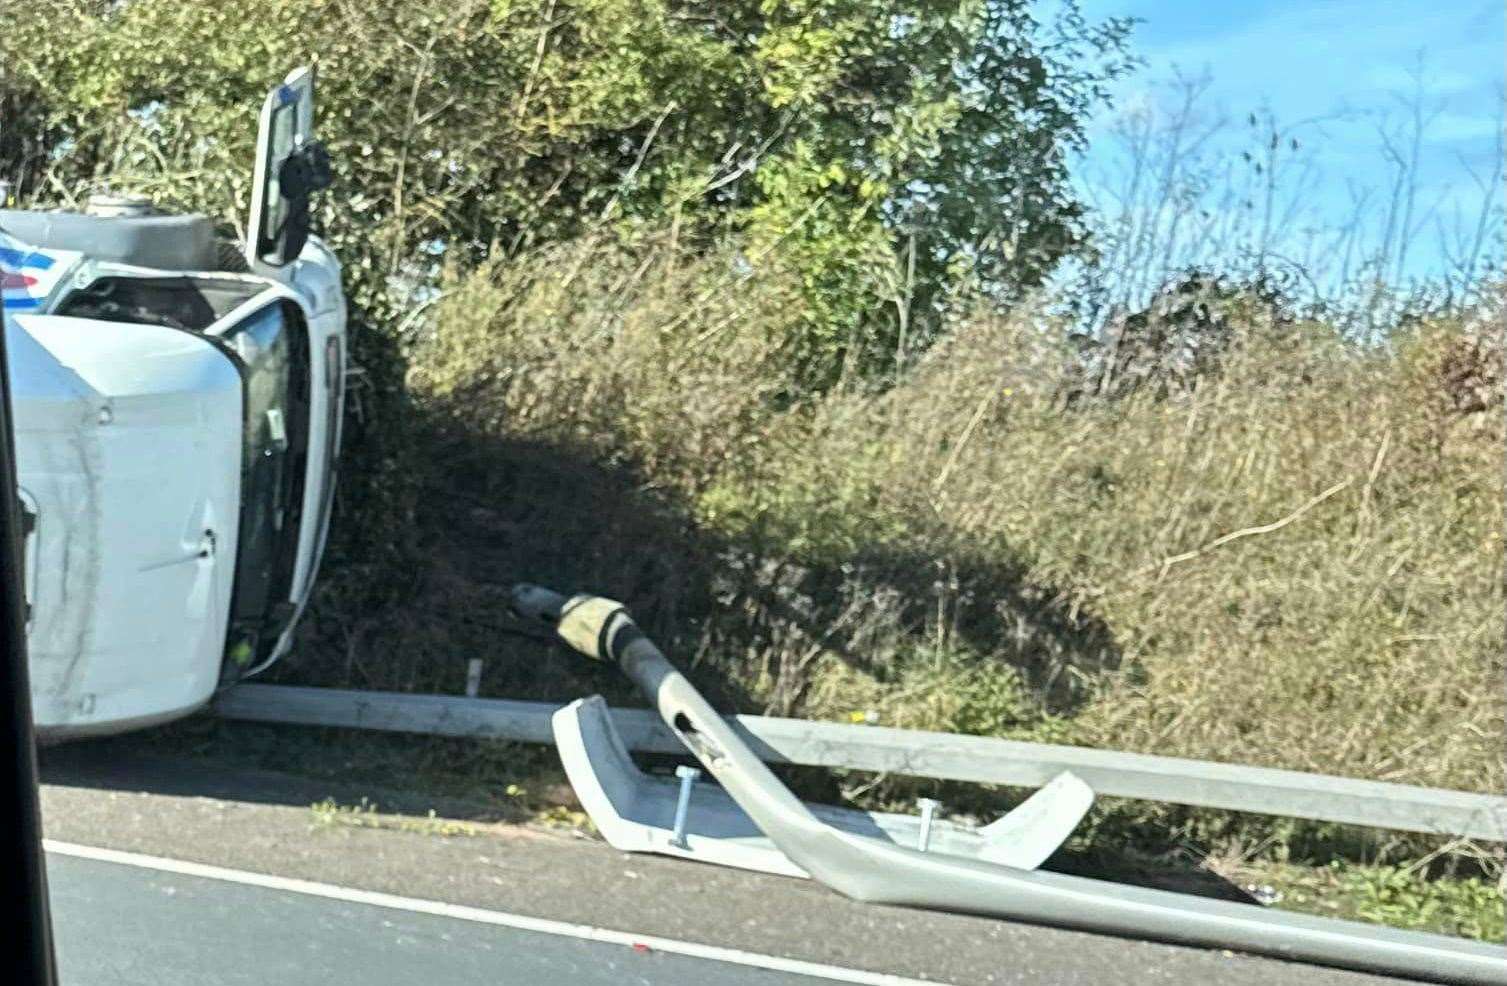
pixel 144 459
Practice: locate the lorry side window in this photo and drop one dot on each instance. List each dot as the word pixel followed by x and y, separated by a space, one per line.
pixel 273 344
pixel 283 132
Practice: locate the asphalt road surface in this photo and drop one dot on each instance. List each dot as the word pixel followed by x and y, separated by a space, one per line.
pixel 492 906
pixel 126 924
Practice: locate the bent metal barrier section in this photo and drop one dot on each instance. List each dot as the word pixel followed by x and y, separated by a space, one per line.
pixel 637 812
pixel 882 871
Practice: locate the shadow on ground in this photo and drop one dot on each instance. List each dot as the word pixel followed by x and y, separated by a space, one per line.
pixel 295 766
pixel 746 618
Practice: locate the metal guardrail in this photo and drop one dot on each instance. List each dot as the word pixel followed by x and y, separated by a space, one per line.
pixel 943 756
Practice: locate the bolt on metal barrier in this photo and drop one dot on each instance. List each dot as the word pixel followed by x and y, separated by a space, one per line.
pixel 928 808
pixel 688 777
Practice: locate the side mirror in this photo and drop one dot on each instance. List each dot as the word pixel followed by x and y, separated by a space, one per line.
pixel 305 171
pixel 302 173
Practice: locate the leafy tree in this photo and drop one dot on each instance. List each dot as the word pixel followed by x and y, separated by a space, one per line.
pixel 883 152
pixel 933 152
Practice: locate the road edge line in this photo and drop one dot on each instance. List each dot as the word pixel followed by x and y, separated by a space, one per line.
pixel 463 912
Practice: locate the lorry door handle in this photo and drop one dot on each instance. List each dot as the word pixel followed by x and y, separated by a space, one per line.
pixel 277 428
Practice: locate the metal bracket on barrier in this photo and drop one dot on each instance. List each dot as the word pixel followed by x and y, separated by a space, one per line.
pixel 636 812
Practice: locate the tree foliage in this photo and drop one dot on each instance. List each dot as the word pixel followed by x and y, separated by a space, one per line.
pixel 884 152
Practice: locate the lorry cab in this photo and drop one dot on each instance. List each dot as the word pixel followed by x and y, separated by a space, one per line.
pixel 178 413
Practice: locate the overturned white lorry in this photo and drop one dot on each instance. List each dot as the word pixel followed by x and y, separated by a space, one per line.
pixel 177 405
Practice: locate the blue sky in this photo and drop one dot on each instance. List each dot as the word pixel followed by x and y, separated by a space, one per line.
pixel 1340 61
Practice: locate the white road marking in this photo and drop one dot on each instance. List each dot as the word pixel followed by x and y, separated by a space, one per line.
pixel 461 912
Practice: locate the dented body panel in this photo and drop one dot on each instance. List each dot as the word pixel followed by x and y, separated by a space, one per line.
pixel 132 463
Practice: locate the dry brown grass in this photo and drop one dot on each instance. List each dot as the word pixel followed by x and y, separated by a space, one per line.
pixel 1300 562
pixel 1297 564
